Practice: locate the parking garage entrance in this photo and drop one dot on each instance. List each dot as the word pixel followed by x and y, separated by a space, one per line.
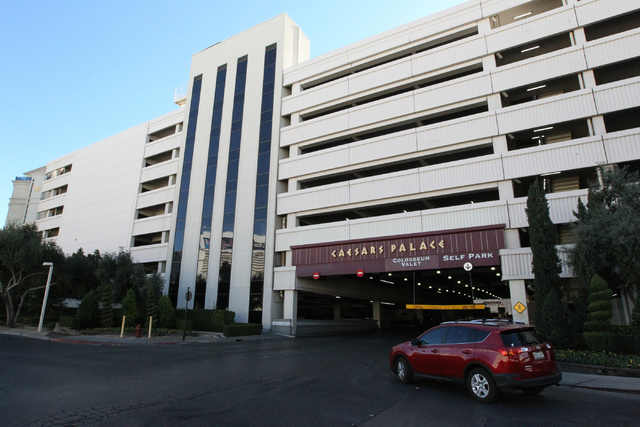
pixel 407 280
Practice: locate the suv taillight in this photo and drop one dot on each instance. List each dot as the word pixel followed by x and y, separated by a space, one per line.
pixel 511 352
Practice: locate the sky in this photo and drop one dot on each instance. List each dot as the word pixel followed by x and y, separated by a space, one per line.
pixel 76 72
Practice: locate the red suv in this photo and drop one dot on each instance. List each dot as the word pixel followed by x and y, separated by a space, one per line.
pixel 486 355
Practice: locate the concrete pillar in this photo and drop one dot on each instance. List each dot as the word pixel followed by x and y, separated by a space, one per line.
pixel 291 308
pixel 377 314
pixel 494 102
pixel 337 312
pixel 518 292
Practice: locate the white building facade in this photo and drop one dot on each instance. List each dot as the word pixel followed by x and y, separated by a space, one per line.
pixel 326 194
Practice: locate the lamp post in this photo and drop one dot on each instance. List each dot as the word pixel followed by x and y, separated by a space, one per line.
pixel 46 293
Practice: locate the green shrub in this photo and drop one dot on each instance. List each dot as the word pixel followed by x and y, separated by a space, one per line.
pixel 598 358
pixel 242 329
pixel 598 335
pixel 166 313
pixel 70 322
pixel 107 307
pixel 130 309
pixel 635 322
pixel 208 320
pixel 89 310
pixel 188 325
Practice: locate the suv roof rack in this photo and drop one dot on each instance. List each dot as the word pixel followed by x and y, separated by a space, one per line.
pixel 485 321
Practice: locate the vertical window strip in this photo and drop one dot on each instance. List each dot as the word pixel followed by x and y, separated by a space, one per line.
pixel 262 187
pixel 209 190
pixel 183 195
pixel 228 221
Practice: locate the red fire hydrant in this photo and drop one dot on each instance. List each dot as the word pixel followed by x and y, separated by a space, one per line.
pixel 138 329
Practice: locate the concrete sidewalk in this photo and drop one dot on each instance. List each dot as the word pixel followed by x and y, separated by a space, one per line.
pixel 569 379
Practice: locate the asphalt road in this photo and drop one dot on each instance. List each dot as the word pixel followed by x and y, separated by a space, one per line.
pixel 327 381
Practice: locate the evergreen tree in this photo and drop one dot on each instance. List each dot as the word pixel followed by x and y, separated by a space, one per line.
pixel 89 310
pixel 107 307
pixel 551 312
pixel 130 309
pixel 598 335
pixel 152 307
pixel 608 232
pixel 166 313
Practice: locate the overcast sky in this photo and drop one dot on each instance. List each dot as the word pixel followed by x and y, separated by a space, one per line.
pixel 76 72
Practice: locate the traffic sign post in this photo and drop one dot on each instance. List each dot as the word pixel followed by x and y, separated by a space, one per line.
pixel 187 296
pixel 360 273
pixel 468 267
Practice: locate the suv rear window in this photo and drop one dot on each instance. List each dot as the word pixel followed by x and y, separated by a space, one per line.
pixel 520 337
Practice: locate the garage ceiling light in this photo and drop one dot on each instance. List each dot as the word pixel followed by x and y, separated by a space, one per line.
pixel 522 16
pixel 529 49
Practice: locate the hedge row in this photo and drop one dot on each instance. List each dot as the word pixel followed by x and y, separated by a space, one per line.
pixel 70 322
pixel 242 329
pixel 208 320
pixel 598 358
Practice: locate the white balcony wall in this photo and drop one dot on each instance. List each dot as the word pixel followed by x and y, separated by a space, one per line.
pixel 546 24
pixel 447 55
pixel 571 106
pixel 56 182
pixel 48 223
pixel 163 145
pixel 575 154
pixel 313 198
pixel 516 263
pixel 316 161
pixel 318 95
pixel 561 207
pixel 151 225
pixel 326 125
pixel 156 197
pixel 539 68
pixel 388 225
pixel 469 128
pixel 618 95
pixel 384 186
pixel 312 234
pixel 150 253
pixel 476 215
pixel 612 49
pixel 159 170
pixel 457 90
pixel 169 119
pixel 382 147
pixel 380 76
pixel 622 146
pixel 384 109
pixel 52 202
pixel 492 7
pixel 478 170
pixel 589 12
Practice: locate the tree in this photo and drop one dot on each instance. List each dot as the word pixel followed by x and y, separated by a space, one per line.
pixel 598 335
pixel 152 307
pixel 22 252
pixel 166 313
pixel 608 231
pixel 130 308
pixel 107 307
pixel 551 312
pixel 89 310
pixel 81 274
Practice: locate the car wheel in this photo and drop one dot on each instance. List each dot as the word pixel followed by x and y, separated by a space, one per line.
pixel 404 371
pixel 481 386
pixel 532 391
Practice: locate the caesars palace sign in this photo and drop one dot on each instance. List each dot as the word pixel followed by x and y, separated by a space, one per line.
pixel 424 251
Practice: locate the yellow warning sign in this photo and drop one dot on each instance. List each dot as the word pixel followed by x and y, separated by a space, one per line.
pixel 519 307
pixel 446 307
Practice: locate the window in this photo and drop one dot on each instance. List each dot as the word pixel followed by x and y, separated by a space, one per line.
pixel 433 337
pixel 458 335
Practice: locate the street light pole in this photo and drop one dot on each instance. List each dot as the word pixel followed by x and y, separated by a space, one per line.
pixel 46 294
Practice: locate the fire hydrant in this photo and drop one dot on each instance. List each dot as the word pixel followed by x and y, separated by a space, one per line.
pixel 138 329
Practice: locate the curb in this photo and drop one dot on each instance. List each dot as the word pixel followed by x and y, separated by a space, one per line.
pixel 598 370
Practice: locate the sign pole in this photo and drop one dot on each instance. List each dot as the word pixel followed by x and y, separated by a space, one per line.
pixel 187 297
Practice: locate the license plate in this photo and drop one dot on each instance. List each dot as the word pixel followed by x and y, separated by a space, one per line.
pixel 538 355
